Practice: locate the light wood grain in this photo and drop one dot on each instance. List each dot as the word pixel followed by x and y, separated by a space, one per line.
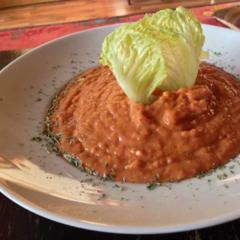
pixel 80 10
pixel 62 12
pixel 11 3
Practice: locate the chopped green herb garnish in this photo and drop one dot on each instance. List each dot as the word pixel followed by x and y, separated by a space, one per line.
pixel 121 188
pixel 222 176
pixel 152 186
pixel 217 53
pixel 36 139
pixel 72 159
pixel 56 67
pixel 124 199
pixel 103 195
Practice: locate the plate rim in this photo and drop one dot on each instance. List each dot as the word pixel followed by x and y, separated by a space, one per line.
pixel 97 226
pixel 117 229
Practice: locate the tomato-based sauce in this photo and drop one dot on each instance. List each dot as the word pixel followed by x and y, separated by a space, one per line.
pixel 181 134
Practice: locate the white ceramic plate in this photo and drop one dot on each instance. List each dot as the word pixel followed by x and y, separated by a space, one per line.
pixel 45 184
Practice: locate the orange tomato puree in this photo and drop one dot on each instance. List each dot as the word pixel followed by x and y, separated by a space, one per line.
pixel 181 134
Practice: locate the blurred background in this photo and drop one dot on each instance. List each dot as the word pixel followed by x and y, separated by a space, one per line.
pixel 26 13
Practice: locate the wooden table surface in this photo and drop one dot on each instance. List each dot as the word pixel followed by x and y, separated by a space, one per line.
pixel 17 223
pixel 74 11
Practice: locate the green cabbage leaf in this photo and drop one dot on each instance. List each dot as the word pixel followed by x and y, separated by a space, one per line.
pixel 161 51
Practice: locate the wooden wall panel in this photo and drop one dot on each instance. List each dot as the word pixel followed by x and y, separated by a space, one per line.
pixel 13 3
